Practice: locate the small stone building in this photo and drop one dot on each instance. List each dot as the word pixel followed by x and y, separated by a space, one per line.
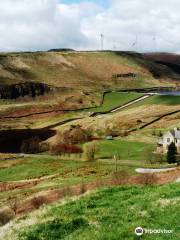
pixel 167 139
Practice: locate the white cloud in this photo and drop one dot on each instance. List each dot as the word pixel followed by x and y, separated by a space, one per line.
pixel 39 24
pixel 155 23
pixel 44 24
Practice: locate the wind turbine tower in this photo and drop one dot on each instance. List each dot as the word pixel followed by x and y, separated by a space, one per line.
pixel 135 44
pixel 155 43
pixel 102 41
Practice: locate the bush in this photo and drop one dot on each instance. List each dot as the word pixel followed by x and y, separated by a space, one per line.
pixel 65 148
pixel 149 156
pixel 124 133
pixel 120 177
pixel 5 216
pixel 66 192
pixel 31 145
pixel 90 150
pixel 111 132
pixel 148 178
pixel 38 201
pixel 13 204
pixel 82 189
pixel 75 135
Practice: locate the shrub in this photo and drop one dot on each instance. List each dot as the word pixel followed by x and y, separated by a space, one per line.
pixel 148 178
pixel 120 177
pixel 90 150
pixel 13 204
pixel 111 132
pixel 38 201
pixel 5 216
pixel 160 134
pixel 66 192
pixel 75 135
pixel 31 145
pixel 82 189
pixel 123 133
pixel 65 148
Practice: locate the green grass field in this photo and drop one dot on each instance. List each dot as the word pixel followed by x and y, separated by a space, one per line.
pixel 126 150
pixel 108 214
pixel 160 100
pixel 44 165
pixel 37 166
pixel 72 170
pixel 68 171
pixel 115 99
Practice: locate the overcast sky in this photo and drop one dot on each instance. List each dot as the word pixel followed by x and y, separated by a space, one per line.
pixel 139 25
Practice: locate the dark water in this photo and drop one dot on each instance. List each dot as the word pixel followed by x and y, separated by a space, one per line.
pixel 11 140
pixel 173 93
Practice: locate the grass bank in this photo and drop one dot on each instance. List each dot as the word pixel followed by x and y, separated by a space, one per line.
pixel 108 214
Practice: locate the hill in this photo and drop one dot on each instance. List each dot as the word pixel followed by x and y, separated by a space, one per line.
pixel 86 71
pixel 170 60
pixel 112 213
pixel 64 80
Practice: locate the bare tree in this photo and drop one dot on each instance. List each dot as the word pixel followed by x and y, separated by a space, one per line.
pixel 13 204
pixel 90 150
pixel 149 155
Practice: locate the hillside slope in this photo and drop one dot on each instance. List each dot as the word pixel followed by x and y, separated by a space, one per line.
pixel 112 213
pixel 68 80
pixel 79 70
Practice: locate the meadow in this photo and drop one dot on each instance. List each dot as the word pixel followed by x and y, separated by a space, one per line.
pixel 115 99
pixel 56 172
pixel 125 150
pixel 35 166
pixel 108 214
pixel 159 100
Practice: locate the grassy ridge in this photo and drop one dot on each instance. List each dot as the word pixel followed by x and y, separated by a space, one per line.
pixel 111 214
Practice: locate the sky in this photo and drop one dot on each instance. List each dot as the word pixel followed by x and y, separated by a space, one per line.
pixel 134 25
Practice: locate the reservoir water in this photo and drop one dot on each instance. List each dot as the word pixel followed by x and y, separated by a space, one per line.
pixel 173 93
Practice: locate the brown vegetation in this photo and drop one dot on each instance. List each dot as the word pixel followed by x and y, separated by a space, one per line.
pixel 31 145
pixel 90 150
pixel 60 148
pixel 74 135
pixel 5 216
pixel 38 201
pixel 148 178
pixel 120 177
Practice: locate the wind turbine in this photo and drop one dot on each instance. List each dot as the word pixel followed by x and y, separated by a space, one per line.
pixel 136 42
pixel 102 41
